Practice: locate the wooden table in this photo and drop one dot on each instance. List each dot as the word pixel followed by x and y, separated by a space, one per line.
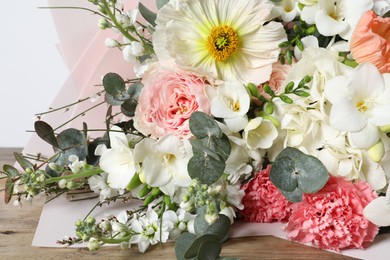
pixel 17 227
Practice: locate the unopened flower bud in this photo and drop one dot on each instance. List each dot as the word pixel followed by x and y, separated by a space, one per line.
pixel 62 184
pixel 93 244
pixel 111 43
pixel 103 24
pixel 211 218
pixel 376 152
pixel 385 128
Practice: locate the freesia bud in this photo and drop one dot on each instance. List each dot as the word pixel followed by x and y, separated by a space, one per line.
pixel 376 152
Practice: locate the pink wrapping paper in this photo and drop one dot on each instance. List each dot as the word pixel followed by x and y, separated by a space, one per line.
pixel 83 51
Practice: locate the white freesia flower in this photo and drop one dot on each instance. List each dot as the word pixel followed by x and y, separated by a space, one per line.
pixel 287 9
pixel 378 210
pixel 381 7
pixel 164 162
pixel 336 17
pixel 360 103
pixel 149 230
pixel 75 165
pixel 98 184
pixel 117 161
pixel 231 103
pixel 229 39
pixel 260 133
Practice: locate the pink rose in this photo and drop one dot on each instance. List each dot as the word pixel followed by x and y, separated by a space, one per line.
pixel 277 78
pixel 167 101
pixel 333 217
pixel 262 201
pixel 370 42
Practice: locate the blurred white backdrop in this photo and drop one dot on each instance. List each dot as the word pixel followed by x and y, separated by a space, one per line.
pixel 31 68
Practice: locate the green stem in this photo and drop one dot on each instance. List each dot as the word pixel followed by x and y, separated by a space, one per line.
pixel 74 7
pixel 84 174
pixel 115 240
pixel 117 25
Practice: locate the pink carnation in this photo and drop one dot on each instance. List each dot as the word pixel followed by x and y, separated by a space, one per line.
pixel 167 101
pixel 262 201
pixel 333 217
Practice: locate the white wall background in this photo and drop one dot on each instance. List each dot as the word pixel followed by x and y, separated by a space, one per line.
pixel 31 68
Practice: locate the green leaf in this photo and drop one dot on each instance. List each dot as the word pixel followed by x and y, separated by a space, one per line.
pixel 128 107
pixel 221 146
pixel 149 16
pixel 203 125
pixel 200 147
pixel 283 174
pixel 197 243
pixel 286 99
pixel 267 89
pixel 10 170
pixel 46 132
pixel 73 142
pixel 114 85
pixel 209 250
pixel 182 244
pixel 312 174
pixel 134 183
pixel 8 190
pixel 200 223
pixel 293 196
pixel 111 100
pixel 293 169
pixel 161 3
pixel 23 161
pixel 206 168
pixel 220 228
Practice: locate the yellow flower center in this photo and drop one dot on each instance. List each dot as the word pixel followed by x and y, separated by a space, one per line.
pixel 361 106
pixel 222 42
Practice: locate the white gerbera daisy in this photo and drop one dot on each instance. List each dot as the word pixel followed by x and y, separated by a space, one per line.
pixel 228 39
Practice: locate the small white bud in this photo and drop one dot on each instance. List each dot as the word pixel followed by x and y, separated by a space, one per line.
pixel 111 43
pixel 62 184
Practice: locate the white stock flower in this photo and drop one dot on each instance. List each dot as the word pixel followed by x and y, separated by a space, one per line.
pixel 117 161
pixel 149 230
pixel 260 133
pixel 75 165
pixel 179 220
pixel 231 103
pixel 360 103
pixel 164 162
pixel 230 39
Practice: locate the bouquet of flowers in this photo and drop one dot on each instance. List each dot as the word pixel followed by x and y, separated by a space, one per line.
pixel 257 110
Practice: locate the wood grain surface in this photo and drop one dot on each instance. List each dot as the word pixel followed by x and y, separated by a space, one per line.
pixel 17 228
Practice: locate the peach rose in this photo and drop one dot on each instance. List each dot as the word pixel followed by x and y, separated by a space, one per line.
pixel 167 101
pixel 277 78
pixel 370 42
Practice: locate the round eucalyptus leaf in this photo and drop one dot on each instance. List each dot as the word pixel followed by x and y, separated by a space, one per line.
pixel 114 84
pixel 312 174
pixel 203 125
pixel 206 168
pixel 199 146
pixel 182 244
pixel 23 161
pixel 135 90
pixel 293 196
pixel 221 146
pixel 111 100
pixel 200 223
pixel 220 228
pixel 73 142
pixel 209 250
pixel 128 107
pixel 198 242
pixel 283 174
